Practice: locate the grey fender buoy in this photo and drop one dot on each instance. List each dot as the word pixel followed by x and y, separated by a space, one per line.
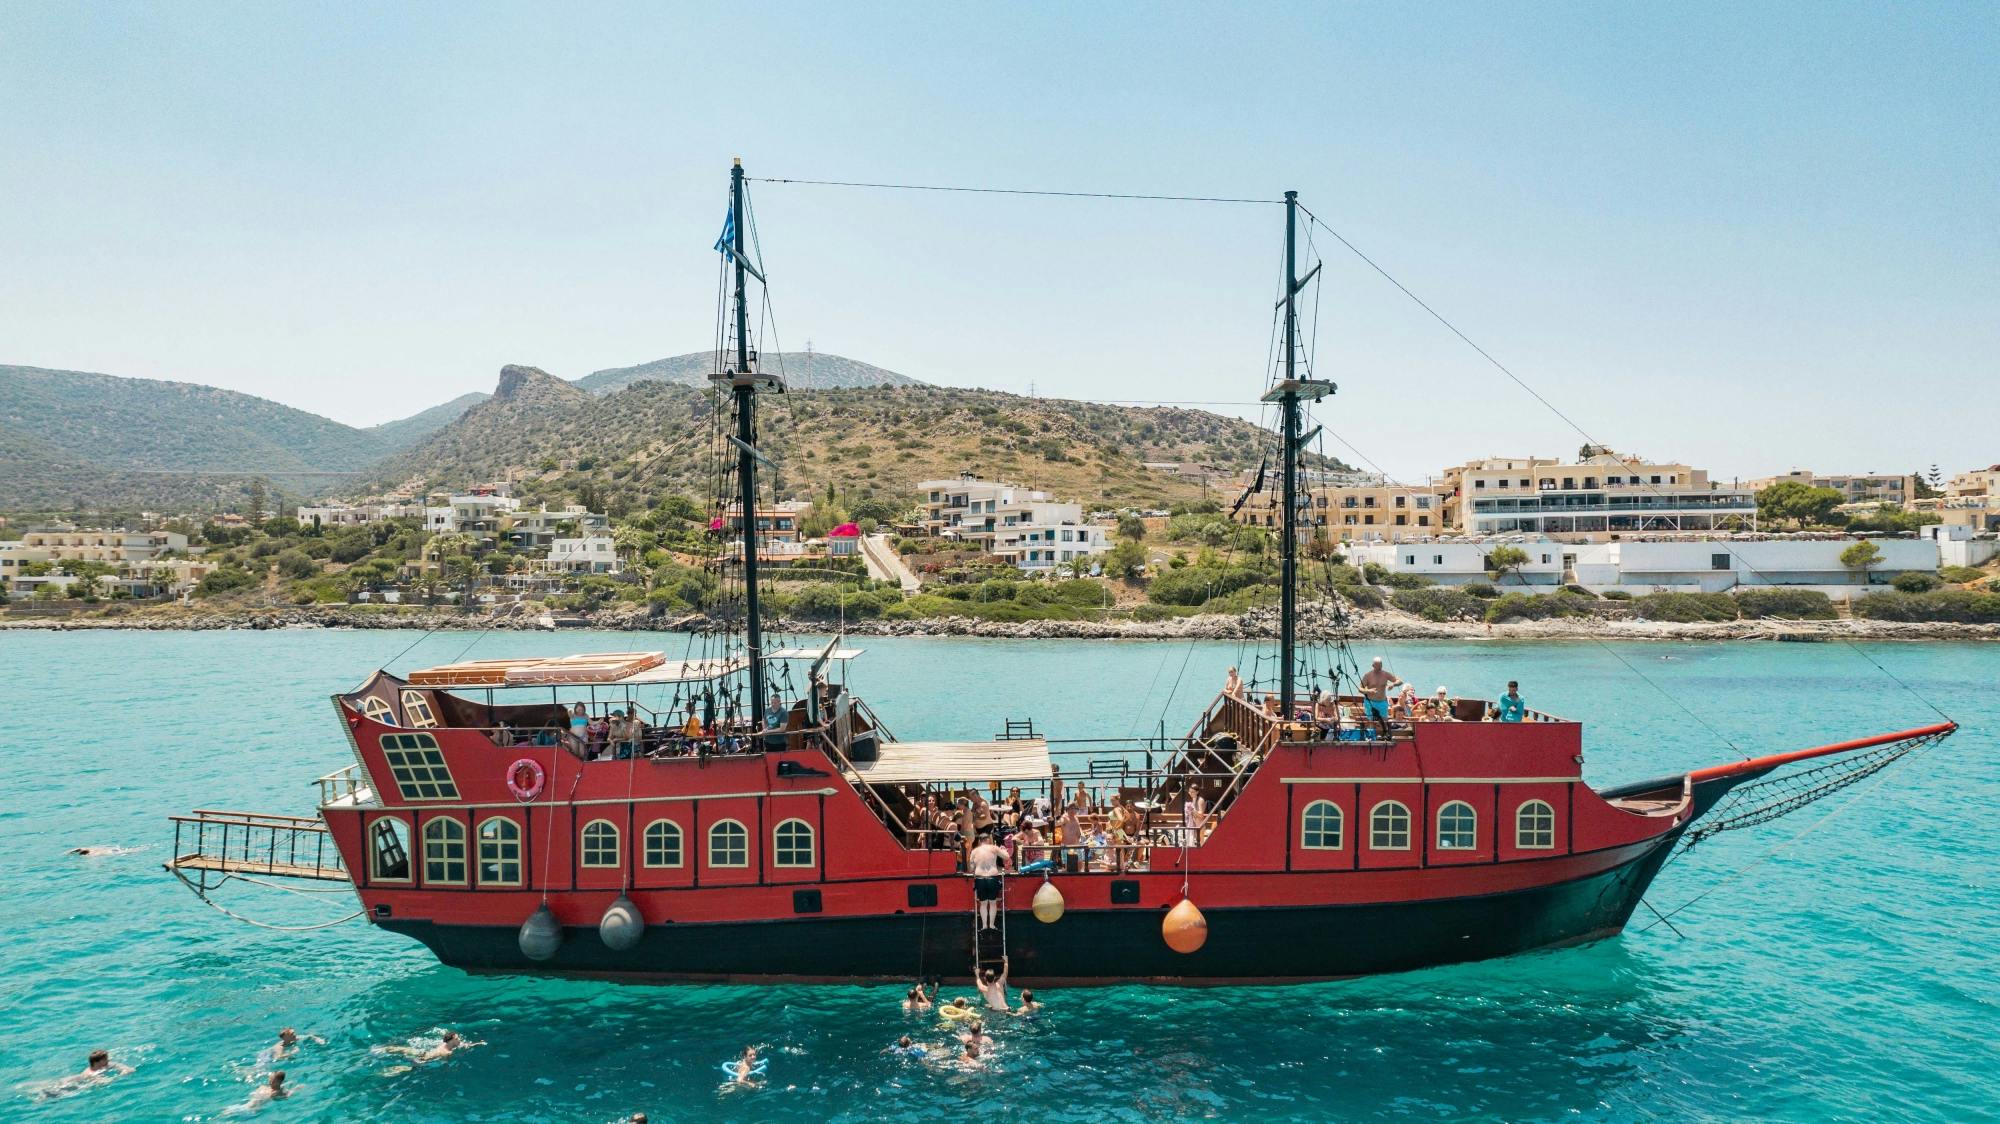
pixel 541 934
pixel 622 924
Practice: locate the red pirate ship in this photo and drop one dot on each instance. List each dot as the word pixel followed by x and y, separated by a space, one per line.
pixel 733 820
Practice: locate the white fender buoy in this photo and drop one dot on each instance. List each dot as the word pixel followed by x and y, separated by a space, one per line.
pixel 1184 928
pixel 1048 903
pixel 622 924
pixel 541 934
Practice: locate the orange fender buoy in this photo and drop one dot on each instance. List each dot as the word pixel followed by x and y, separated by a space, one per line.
pixel 1184 928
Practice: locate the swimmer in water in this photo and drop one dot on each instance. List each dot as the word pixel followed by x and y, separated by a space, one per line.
pixel 272 1090
pixel 287 1045
pixel 971 1054
pixel 746 1066
pixel 98 1069
pixel 1028 1004
pixel 95 852
pixel 916 1000
pixel 450 1044
pixel 975 1033
pixel 905 1048
pixel 993 987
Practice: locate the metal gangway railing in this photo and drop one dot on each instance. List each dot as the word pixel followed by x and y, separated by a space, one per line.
pixel 207 841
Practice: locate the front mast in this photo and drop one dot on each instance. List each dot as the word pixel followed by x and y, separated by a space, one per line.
pixel 744 383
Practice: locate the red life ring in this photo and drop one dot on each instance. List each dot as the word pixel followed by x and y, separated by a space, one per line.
pixel 524 779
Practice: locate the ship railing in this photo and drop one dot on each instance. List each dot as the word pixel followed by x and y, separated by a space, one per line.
pixel 211 841
pixel 1091 857
pixel 342 786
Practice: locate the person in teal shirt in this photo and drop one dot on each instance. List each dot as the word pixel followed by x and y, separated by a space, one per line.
pixel 1511 707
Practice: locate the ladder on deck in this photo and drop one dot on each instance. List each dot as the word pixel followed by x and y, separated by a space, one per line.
pixel 229 843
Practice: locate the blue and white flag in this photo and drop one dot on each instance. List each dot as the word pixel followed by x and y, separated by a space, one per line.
pixel 726 245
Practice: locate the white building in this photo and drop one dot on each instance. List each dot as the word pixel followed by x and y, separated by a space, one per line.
pixel 1959 544
pixel 475 514
pixel 357 514
pixel 536 530
pixel 1683 566
pixel 1022 525
pixel 130 554
pixel 1463 561
pixel 591 554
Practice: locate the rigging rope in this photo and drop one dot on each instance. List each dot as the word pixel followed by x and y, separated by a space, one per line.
pixel 203 897
pixel 1019 191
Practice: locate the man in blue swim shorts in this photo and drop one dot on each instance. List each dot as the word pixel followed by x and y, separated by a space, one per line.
pixel 1376 684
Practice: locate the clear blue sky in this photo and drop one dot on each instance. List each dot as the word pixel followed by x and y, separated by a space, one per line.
pixel 1749 236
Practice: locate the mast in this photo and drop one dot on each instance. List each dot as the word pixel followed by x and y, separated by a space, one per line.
pixel 1288 393
pixel 743 382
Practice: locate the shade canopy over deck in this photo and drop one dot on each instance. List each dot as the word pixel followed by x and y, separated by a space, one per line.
pixel 1021 759
pixel 596 669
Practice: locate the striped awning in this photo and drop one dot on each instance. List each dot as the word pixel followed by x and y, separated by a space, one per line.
pixel 1023 759
pixel 596 669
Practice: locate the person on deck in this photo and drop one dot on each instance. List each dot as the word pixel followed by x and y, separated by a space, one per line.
pixel 1326 713
pixel 1376 683
pixel 1510 708
pixel 985 865
pixel 1233 686
pixel 579 730
pixel 691 729
pixel 1441 706
pixel 1029 845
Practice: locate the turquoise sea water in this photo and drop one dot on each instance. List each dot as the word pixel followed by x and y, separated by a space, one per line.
pixel 1850 973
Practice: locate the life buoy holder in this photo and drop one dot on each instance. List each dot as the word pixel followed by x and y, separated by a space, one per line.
pixel 525 779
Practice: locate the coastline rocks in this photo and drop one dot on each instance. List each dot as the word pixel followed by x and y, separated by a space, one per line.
pixel 1316 623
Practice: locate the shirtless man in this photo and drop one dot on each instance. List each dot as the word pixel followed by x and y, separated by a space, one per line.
pixel 993 987
pixel 1029 1005
pixel 746 1066
pixel 288 1044
pixel 985 864
pixel 272 1090
pixel 1376 683
pixel 450 1044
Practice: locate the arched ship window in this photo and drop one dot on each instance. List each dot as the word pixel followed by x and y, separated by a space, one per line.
pixel 600 844
pixel 1458 827
pixel 378 710
pixel 444 851
pixel 1389 827
pixel 417 709
pixel 389 839
pixel 1321 827
pixel 499 852
pixel 792 844
pixel 663 843
pixel 1535 826
pixel 728 844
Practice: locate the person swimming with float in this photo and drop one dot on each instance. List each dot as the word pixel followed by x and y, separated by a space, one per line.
pixel 906 1048
pixel 958 1009
pixel 746 1069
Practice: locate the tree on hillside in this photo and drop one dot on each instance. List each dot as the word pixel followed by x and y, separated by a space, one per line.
pixel 1504 560
pixel 1126 560
pixel 1861 556
pixel 1800 504
pixel 1131 528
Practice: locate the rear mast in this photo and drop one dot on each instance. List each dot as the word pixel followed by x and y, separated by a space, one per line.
pixel 1288 393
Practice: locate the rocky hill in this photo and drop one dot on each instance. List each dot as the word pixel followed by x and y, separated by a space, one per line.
pixel 653 437
pixel 404 432
pixel 806 370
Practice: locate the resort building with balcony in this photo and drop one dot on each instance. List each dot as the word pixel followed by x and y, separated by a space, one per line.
pixel 1598 497
pixel 1359 510
pixel 1868 488
pixel 1022 525
pixel 539 530
pixel 584 554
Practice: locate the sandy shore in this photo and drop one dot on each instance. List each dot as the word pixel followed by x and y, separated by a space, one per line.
pixel 1257 625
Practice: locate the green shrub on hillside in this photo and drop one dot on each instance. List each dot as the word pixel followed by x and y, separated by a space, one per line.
pixel 1484 590
pixel 1534 607
pixel 1192 585
pixel 1363 596
pixel 1618 595
pixel 1917 582
pixel 1785 604
pixel 1683 608
pixel 1961 574
pixel 1437 604
pixel 223 579
pixel 1961 606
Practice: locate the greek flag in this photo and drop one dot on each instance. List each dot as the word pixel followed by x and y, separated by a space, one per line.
pixel 726 245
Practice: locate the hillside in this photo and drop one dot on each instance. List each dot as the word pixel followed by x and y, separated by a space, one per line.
pixel 72 439
pixel 805 370
pixel 404 432
pixel 652 438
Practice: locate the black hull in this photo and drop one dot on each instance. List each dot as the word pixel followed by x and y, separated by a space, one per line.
pixel 1257 945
